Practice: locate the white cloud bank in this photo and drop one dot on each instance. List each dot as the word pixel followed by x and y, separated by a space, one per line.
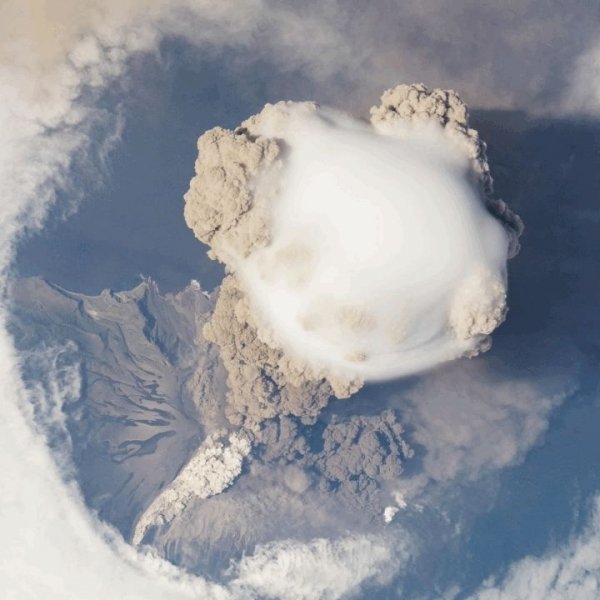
pixel 320 569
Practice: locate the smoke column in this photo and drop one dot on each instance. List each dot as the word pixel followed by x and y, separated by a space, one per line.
pixel 365 251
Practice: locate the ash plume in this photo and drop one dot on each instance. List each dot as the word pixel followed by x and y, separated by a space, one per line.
pixel 355 252
pixel 212 469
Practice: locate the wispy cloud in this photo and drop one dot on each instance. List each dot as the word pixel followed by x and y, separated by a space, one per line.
pixel 570 571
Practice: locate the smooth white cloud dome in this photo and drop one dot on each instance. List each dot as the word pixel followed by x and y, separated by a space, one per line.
pixel 383 260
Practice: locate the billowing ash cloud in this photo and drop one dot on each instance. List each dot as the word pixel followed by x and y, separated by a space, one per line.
pixel 211 470
pixel 356 252
pixel 262 381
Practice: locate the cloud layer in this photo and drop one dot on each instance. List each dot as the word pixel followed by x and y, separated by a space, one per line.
pixel 49 113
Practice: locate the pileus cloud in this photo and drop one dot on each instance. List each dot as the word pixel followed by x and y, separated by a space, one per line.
pixel 361 251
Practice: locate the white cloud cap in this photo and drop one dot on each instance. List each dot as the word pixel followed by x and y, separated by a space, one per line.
pixel 365 253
